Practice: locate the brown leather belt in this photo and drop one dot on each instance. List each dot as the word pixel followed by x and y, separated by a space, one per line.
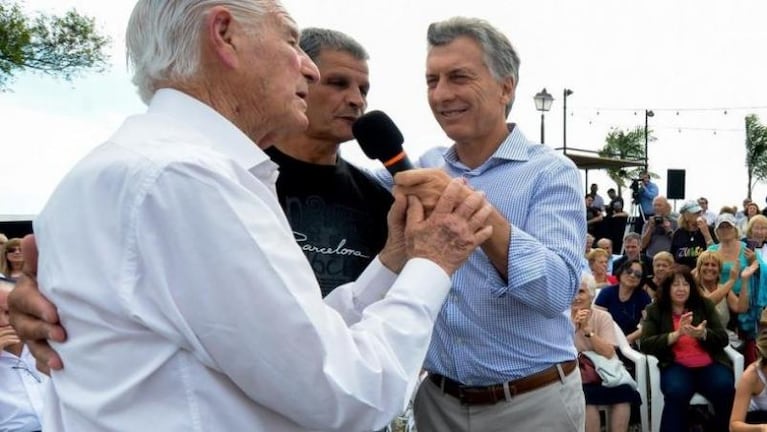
pixel 494 393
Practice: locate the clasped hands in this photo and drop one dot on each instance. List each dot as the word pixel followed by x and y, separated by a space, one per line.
pixel 581 319
pixel 435 217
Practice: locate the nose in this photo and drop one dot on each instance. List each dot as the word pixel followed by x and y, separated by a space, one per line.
pixel 440 91
pixel 309 69
pixel 356 99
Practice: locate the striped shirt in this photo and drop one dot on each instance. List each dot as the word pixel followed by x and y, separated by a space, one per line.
pixel 491 330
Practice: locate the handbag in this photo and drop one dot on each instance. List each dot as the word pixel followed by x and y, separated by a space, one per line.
pixel 589 373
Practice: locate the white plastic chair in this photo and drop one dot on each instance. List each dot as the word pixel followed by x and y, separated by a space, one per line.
pixel 640 368
pixel 656 396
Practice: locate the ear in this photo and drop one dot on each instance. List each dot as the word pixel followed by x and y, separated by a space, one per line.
pixel 221 36
pixel 508 88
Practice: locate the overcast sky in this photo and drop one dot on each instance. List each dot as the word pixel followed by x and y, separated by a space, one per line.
pixel 698 64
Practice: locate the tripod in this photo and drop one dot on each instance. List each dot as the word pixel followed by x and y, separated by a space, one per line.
pixel 635 220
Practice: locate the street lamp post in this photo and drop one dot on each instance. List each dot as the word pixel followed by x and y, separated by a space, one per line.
pixel 647 114
pixel 543 102
pixel 565 94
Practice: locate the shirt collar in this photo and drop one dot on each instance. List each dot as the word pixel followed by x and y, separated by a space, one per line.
pixel 515 147
pixel 222 134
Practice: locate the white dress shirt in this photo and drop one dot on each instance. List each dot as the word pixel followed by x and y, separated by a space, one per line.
pixel 190 307
pixel 21 392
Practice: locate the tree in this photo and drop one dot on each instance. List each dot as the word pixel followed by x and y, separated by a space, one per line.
pixel 756 151
pixel 628 145
pixel 61 46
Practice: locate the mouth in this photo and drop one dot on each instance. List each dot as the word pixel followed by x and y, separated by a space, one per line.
pixel 452 113
pixel 350 118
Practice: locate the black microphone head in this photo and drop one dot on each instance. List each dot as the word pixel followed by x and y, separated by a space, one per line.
pixel 378 136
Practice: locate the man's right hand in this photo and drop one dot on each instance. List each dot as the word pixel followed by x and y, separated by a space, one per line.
pixel 34 318
pixel 453 230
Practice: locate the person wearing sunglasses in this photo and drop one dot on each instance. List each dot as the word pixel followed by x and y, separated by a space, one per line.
pixel 626 300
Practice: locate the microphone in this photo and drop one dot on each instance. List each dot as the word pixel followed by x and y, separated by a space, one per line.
pixel 380 139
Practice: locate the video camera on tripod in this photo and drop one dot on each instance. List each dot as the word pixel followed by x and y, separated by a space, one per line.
pixel 636 186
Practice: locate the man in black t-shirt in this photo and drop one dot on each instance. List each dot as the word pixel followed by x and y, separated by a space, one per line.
pixel 337 211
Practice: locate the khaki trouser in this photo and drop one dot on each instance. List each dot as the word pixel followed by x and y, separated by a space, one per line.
pixel 557 407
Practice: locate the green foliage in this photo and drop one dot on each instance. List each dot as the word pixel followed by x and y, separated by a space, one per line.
pixel 61 46
pixel 756 151
pixel 627 145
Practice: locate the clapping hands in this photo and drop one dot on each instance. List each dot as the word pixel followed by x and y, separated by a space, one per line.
pixel 686 327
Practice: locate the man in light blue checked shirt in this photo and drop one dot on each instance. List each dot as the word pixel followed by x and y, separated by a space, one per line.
pixel 502 354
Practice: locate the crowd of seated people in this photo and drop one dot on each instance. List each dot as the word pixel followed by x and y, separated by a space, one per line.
pixel 722 257
pixel 595 337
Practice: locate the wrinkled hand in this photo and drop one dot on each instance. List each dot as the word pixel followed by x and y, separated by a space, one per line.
pixel 8 337
pixel 34 318
pixel 581 318
pixel 452 231
pixel 427 184
pixel 394 253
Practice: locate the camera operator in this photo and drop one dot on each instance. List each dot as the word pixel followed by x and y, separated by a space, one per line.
pixel 644 194
pixel 659 227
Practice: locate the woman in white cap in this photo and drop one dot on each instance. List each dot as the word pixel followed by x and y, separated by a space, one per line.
pixel 692 237
pixel 731 249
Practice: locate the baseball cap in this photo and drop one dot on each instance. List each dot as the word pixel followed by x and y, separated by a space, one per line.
pixel 725 218
pixel 690 207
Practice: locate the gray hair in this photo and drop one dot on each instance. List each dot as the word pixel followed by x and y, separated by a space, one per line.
pixel 589 282
pixel 163 37
pixel 314 40
pixel 632 236
pixel 500 57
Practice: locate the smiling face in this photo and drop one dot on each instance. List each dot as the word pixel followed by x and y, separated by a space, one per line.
pixel 708 269
pixel 582 298
pixel 680 290
pixel 339 97
pixel 466 100
pixel 759 230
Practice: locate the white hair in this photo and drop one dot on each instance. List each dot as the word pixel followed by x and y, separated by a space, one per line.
pixel 163 37
pixel 589 282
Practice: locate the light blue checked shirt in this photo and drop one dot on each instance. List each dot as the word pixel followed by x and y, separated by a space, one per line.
pixel 489 330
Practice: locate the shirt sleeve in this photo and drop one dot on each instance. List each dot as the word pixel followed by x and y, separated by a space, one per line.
pixel 603 326
pixel 545 253
pixel 218 272
pixel 350 299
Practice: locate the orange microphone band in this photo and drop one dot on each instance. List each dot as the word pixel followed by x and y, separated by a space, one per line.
pixel 395 159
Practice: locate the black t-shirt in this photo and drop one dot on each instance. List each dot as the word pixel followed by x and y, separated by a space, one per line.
pixel 686 246
pixel 337 213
